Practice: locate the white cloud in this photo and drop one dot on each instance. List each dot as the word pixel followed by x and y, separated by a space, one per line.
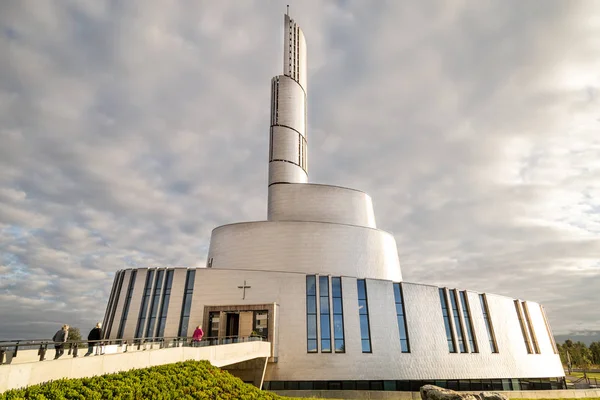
pixel 130 130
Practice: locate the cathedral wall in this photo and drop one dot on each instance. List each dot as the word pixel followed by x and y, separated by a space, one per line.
pixel 310 247
pixel 429 356
pixel 320 203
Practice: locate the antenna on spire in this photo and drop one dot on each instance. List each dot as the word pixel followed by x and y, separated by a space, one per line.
pixel 288 10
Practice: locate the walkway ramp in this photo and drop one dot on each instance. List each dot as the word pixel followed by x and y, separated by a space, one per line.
pixel 18 375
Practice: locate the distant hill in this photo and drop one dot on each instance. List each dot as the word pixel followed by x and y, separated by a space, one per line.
pixel 586 337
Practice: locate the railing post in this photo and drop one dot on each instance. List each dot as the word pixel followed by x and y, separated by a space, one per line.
pixel 2 351
pixel 75 350
pixel 42 351
pixel 16 350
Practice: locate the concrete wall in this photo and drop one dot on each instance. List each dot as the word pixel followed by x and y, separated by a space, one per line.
pixel 321 203
pixel 309 247
pixel 19 375
pixel 429 357
pixel 357 394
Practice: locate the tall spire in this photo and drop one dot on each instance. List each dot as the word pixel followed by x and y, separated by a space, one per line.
pixel 288 146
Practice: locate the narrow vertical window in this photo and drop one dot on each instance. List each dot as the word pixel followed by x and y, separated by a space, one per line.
pixel 548 329
pixel 155 303
pixel 130 287
pixel 110 301
pixel 523 329
pixel 139 330
pixel 363 311
pixel 164 307
pixel 457 322
pixel 536 347
pixel 114 304
pixel 488 323
pixel 468 322
pixel 187 302
pixel 338 315
pixel 447 321
pixel 311 314
pixel 401 317
pixel 324 314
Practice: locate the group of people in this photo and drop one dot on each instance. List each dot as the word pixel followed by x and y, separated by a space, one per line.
pixel 62 335
pixel 94 337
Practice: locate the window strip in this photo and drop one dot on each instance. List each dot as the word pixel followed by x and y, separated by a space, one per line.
pixel 130 287
pixel 523 328
pixel 401 318
pixel 186 305
pixel 447 321
pixel 311 314
pixel 141 324
pixel 488 323
pixel 155 302
pixel 468 322
pixel 164 307
pixel 460 332
pixel 324 314
pixel 363 311
pixel 339 343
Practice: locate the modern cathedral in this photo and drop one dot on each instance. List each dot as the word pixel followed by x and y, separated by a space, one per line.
pixel 323 285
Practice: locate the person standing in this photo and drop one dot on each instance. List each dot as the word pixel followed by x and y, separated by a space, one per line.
pixel 93 338
pixel 198 334
pixel 59 339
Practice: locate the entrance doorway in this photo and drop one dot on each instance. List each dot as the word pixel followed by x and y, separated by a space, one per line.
pixel 233 324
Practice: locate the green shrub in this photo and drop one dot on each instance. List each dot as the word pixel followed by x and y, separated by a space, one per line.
pixel 183 380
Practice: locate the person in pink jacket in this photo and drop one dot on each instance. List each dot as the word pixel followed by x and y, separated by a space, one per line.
pixel 198 333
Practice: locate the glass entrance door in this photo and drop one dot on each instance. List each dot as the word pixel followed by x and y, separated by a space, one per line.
pixel 233 327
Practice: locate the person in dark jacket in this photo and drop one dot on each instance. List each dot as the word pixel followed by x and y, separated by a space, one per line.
pixel 93 337
pixel 59 339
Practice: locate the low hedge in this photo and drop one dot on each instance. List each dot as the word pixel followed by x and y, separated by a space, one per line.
pixel 183 380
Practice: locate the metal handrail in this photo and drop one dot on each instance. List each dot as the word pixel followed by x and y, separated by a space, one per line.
pixel 73 345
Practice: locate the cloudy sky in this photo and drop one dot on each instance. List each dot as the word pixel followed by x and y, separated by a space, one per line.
pixel 130 129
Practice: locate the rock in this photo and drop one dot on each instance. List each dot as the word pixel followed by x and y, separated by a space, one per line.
pixel 431 392
pixel 492 396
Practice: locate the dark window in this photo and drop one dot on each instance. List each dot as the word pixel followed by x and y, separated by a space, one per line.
pixel 311 314
pixel 324 314
pixel 338 315
pixel 155 303
pixel 523 329
pixel 457 323
pixel 401 317
pixel 530 327
pixel 114 304
pixel 488 323
pixel 139 330
pixel 164 307
pixel 363 313
pixel 447 322
pixel 464 302
pixel 126 306
pixel 187 302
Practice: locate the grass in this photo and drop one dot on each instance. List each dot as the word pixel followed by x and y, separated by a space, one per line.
pixel 589 374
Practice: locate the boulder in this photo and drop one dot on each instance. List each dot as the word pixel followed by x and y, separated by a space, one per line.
pixel 492 396
pixel 431 392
